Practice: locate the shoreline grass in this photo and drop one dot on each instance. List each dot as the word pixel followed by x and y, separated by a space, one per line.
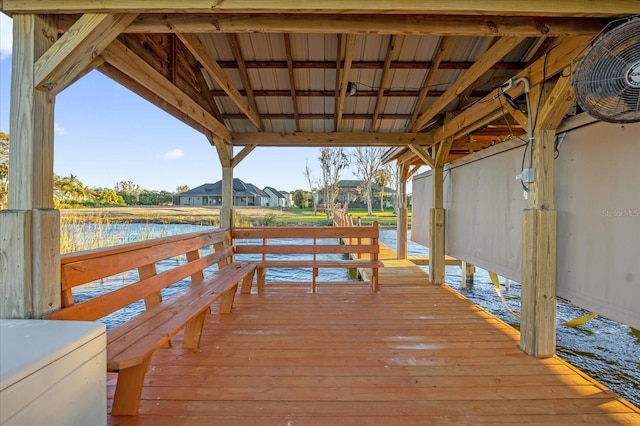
pixel 245 216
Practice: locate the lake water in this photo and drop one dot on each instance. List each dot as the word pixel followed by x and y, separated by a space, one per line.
pixel 603 349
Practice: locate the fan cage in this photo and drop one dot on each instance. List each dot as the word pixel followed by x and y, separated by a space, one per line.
pixel 607 81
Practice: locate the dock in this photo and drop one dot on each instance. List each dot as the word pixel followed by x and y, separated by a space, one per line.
pixel 413 354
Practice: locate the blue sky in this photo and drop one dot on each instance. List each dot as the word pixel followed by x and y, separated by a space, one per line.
pixel 105 134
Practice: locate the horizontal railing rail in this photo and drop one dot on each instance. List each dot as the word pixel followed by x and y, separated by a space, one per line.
pixel 271 243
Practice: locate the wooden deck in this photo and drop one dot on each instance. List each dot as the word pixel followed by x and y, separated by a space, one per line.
pixel 411 354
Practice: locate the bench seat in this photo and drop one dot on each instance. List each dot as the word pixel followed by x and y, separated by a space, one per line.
pixel 131 345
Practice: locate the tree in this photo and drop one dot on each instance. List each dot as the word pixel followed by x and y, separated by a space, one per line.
pixel 368 162
pixel 382 179
pixel 72 189
pixel 312 186
pixel 394 181
pixel 108 197
pixel 129 191
pixel 302 198
pixel 333 162
pixel 182 188
pixel 4 169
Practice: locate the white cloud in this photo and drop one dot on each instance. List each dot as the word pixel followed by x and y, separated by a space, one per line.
pixel 173 155
pixel 59 129
pixel 6 36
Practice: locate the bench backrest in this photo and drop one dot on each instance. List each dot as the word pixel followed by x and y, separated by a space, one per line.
pixel 88 266
pixel 361 241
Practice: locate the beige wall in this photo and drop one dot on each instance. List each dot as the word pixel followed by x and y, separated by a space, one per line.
pixel 597 191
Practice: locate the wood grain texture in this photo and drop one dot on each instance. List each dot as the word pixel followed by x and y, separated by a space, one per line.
pixel 74 51
pixel 410 354
pixel 451 7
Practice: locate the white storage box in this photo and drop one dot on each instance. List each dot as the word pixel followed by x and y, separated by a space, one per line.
pixel 52 373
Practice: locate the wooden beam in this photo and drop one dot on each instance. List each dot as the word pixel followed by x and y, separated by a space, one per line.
pixel 443 152
pixel 384 81
pixel 292 80
pixel 482 65
pixel 358 94
pixel 225 151
pixel 242 155
pixel 443 47
pixel 226 210
pixel 557 59
pixel 560 99
pixel 437 228
pixel 517 115
pixel 244 75
pixel 31 118
pixel 321 116
pixel 200 52
pixel 123 59
pixel 338 66
pixel 423 155
pixel 331 139
pixel 346 72
pixel 371 65
pixel 412 171
pixel 72 53
pixel 472 26
pixel 404 7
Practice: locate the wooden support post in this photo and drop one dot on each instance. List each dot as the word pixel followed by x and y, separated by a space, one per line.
pixel 403 216
pixel 467 274
pixel 437 229
pixel 30 228
pixel 226 210
pixel 539 226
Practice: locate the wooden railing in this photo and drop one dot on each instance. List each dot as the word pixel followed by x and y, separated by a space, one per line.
pixel 361 253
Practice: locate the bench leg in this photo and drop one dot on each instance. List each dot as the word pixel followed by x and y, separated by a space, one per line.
pixel 261 276
pixel 129 389
pixel 246 283
pixel 314 274
pixel 193 331
pixel 374 279
pixel 226 303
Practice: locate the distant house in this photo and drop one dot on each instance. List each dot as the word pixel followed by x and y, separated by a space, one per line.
pixel 210 194
pixel 351 193
pixel 278 198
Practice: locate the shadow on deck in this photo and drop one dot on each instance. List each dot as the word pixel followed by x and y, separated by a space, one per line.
pixel 411 354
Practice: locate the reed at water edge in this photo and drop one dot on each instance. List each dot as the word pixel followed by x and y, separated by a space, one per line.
pixel 88 232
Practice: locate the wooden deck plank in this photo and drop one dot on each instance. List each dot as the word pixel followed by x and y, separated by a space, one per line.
pixel 413 353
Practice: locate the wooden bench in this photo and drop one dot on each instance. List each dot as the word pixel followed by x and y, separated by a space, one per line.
pixel 360 248
pixel 131 345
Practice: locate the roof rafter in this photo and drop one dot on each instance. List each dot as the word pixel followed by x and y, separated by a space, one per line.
pixel 292 80
pixel 384 80
pixel 199 51
pixel 244 75
pixel 346 72
pixel 443 47
pixel 72 53
pixel 496 52
pixel 556 59
pixel 130 64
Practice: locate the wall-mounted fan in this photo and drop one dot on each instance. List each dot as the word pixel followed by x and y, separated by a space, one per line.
pixel 607 80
